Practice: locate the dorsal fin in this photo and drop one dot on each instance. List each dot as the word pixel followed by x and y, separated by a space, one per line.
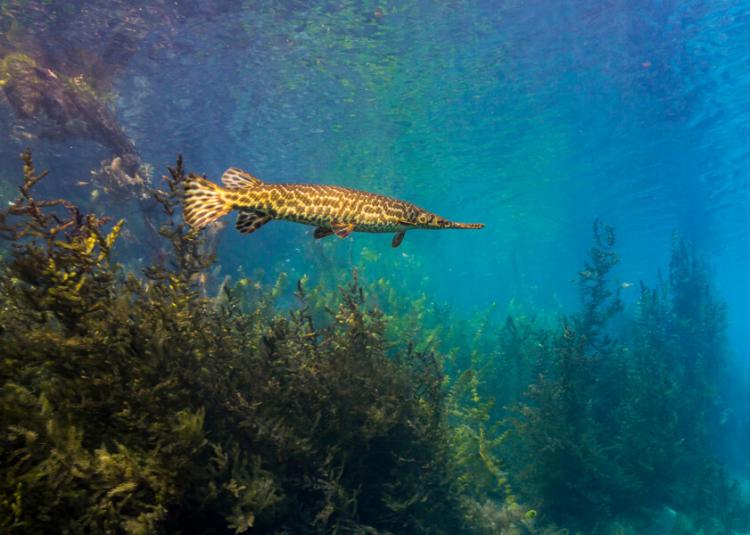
pixel 234 178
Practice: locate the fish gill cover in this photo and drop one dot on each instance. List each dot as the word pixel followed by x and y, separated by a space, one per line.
pixel 158 379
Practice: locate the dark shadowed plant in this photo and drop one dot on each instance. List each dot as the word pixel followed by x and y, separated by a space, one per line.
pixel 562 429
pixel 619 429
pixel 670 419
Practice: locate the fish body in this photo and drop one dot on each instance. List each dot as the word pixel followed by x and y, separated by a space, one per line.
pixel 332 209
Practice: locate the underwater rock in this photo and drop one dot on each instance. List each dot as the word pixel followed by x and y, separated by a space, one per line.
pixel 62 107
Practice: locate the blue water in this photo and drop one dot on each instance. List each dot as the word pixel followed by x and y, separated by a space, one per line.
pixel 535 118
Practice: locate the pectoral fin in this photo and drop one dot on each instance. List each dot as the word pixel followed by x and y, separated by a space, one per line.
pixel 322 232
pixel 398 238
pixel 342 230
pixel 407 223
pixel 249 221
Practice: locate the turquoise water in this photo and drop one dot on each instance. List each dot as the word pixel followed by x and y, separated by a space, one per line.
pixel 535 118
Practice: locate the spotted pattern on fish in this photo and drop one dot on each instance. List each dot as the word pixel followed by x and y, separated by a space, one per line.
pixel 332 209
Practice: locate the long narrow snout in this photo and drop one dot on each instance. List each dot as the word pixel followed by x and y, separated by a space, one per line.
pixel 465 225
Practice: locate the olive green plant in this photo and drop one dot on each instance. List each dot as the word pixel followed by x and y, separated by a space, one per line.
pixel 139 404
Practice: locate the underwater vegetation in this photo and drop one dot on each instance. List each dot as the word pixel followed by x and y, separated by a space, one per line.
pixel 136 404
pixel 612 427
pixel 162 402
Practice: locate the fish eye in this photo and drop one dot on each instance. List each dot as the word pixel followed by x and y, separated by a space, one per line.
pixel 422 219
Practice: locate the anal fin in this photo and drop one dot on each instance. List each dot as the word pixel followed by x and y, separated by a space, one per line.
pixel 322 232
pixel 248 221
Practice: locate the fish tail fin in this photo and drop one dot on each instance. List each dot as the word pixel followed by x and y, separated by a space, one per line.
pixel 204 202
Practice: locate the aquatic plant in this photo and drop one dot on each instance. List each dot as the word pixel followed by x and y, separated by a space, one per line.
pixel 171 402
pixel 138 404
pixel 671 413
pixel 616 429
pixel 564 465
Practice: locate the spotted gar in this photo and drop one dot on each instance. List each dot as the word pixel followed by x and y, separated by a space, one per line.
pixel 332 209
